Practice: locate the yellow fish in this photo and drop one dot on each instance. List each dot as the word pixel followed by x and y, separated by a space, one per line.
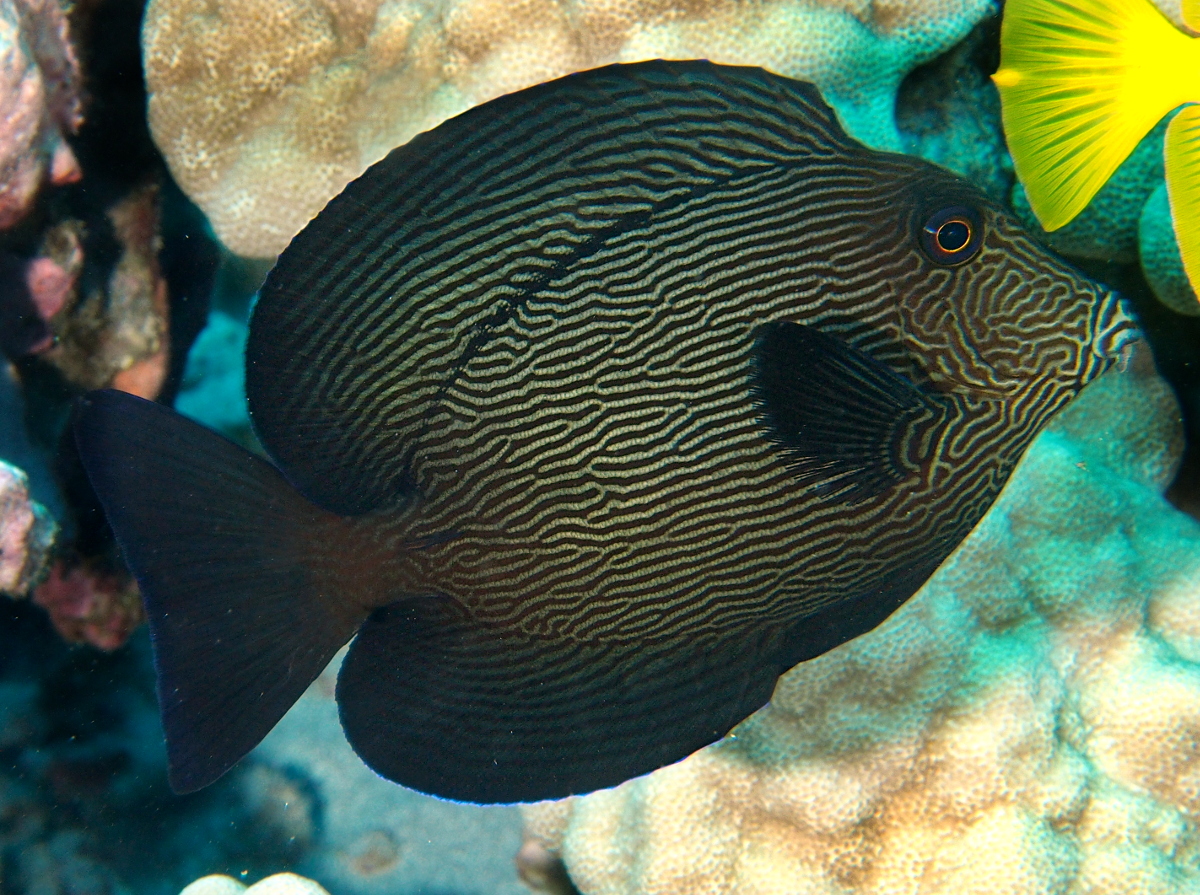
pixel 1081 83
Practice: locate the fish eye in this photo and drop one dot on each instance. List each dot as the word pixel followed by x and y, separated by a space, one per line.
pixel 952 235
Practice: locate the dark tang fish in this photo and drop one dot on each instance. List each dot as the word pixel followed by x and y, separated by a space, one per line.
pixel 608 401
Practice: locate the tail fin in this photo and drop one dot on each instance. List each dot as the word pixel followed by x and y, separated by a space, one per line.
pixel 1181 154
pixel 230 562
pixel 1081 82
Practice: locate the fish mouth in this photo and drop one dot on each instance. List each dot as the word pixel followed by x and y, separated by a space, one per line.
pixel 1116 330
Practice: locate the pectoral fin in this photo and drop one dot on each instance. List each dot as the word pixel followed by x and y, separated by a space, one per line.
pixel 842 419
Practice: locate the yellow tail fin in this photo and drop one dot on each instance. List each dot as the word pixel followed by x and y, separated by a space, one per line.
pixel 1191 14
pixel 1081 82
pixel 1182 156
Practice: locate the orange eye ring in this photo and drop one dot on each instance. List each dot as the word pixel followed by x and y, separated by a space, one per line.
pixel 953 235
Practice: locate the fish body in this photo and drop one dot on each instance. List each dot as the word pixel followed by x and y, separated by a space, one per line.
pixel 592 411
pixel 1081 83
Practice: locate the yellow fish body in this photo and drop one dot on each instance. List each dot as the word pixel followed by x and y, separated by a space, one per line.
pixel 1081 83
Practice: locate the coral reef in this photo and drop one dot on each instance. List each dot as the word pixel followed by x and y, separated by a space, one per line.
pixel 34 290
pixel 948 111
pixel 88 605
pixel 1107 229
pixel 213 390
pixel 95 288
pixel 264 110
pixel 1027 723
pixel 40 103
pixel 1159 255
pixel 26 533
pixel 278 884
pixel 115 332
pixel 17 448
pixel 377 838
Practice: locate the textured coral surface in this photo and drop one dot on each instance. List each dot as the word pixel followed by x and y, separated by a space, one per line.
pixel 376 838
pixel 26 533
pixel 39 103
pixel 266 108
pixel 1028 723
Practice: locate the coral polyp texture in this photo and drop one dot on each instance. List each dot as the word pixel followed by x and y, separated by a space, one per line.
pixel 26 533
pixel 1029 722
pixel 265 109
pixel 39 103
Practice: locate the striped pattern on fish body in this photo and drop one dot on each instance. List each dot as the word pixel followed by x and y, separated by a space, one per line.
pixel 621 395
pixel 577 379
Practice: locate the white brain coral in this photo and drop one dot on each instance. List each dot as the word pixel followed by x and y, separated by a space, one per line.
pixel 265 109
pixel 277 884
pixel 1028 723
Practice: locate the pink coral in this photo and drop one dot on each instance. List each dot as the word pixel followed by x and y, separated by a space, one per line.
pixel 90 606
pixel 26 533
pixel 39 103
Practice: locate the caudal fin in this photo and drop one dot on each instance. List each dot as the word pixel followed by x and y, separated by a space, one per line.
pixel 1181 154
pixel 1081 82
pixel 229 560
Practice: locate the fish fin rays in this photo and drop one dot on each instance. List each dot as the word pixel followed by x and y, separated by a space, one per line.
pixel 1190 10
pixel 220 544
pixel 439 702
pixel 1181 156
pixel 844 420
pixel 1081 83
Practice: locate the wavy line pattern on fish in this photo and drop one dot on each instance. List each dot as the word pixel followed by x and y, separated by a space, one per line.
pixel 613 398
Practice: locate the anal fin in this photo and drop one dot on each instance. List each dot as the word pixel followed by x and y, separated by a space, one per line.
pixel 439 702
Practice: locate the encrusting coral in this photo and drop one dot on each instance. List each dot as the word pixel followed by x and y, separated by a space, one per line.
pixel 1029 722
pixel 1158 252
pixel 26 533
pixel 265 109
pixel 115 331
pixel 39 103
pixel 89 605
